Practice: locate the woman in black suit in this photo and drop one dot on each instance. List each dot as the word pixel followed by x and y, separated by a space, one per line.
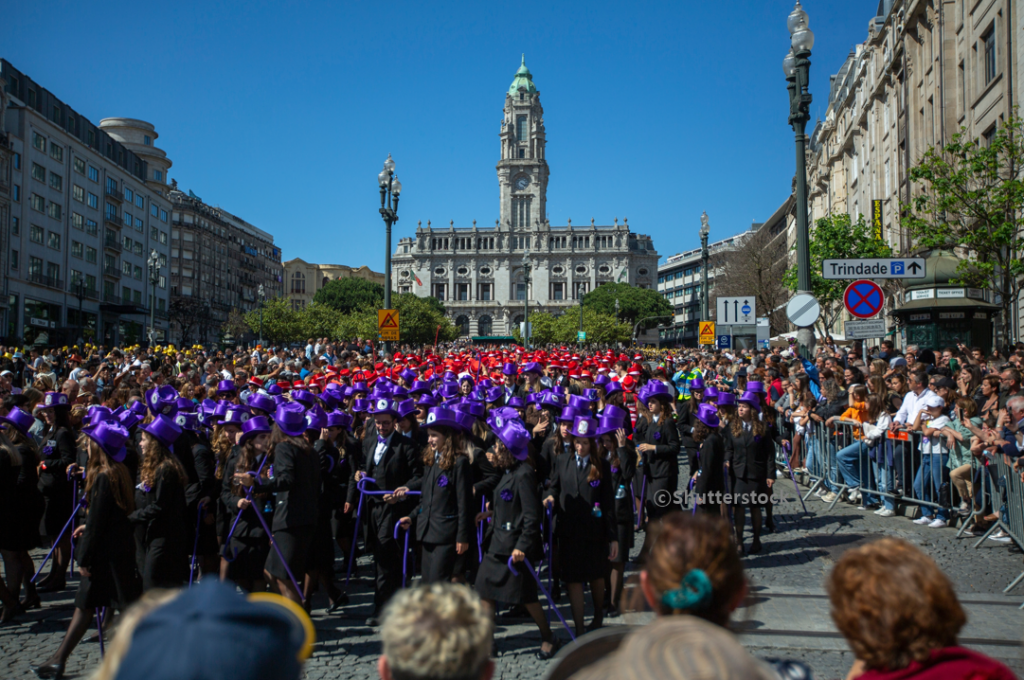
pixel 444 517
pixel 295 478
pixel 161 537
pixel 21 508
pixel 248 545
pixel 516 512
pixel 58 454
pixel 106 547
pixel 709 475
pixel 621 456
pixel 657 440
pixel 584 501
pixel 749 451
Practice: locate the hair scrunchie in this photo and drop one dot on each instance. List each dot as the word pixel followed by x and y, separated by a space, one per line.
pixel 693 593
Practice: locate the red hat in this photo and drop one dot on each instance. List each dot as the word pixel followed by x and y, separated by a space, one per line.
pixel 628 382
pixel 344 373
pixel 255 382
pixel 298 384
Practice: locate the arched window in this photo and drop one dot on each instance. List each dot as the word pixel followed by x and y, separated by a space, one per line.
pixel 462 323
pixel 518 320
pixel 298 282
pixel 484 326
pixel 324 282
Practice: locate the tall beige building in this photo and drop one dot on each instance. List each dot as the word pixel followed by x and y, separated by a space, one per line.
pixel 303 279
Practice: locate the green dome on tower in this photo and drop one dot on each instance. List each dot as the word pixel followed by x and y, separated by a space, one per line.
pixel 523 79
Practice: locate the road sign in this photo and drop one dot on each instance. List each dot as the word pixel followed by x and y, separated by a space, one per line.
pixel 733 311
pixel 864 299
pixel 864 330
pixel 724 341
pixel 581 336
pixel 803 310
pixel 387 324
pixel 881 268
pixel 707 333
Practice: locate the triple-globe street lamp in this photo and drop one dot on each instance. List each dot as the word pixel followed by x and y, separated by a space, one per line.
pixel 390 189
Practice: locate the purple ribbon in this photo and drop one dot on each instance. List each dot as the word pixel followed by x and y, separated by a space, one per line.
pixel 480 532
pixel 551 601
pixel 506 495
pixel 643 498
pixel 363 493
pixel 74 499
pixel 405 552
pixel 195 545
pixel 442 481
pixel 81 504
pixel 100 615
pixel 248 495
pixel 596 483
pixel 273 544
pixel 787 448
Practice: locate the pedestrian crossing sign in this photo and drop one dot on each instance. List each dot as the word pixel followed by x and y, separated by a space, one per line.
pixel 707 333
pixel 387 324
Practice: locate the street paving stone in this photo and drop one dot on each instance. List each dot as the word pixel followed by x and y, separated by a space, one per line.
pixel 787 616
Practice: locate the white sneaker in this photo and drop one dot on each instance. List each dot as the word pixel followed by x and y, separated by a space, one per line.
pixel 854 496
pixel 779 475
pixel 819 493
pixel 938 524
pixel 886 512
pixel 829 497
pixel 879 510
pixel 1000 536
pixel 923 520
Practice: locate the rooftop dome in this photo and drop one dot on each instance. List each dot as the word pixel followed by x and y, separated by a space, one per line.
pixel 523 79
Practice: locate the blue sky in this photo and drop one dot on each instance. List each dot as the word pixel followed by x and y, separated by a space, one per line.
pixel 283 113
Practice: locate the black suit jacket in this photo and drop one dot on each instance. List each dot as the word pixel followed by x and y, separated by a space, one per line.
pixel 296 482
pixel 516 522
pixel 445 513
pixel 400 465
pixel 749 457
pixel 663 462
pixel 575 499
pixel 711 462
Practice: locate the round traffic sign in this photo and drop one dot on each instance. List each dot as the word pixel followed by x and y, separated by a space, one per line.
pixel 863 299
pixel 803 310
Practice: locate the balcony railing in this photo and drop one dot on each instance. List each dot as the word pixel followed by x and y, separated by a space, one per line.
pixel 114 192
pixel 113 217
pixel 112 242
pixel 41 279
pixel 112 271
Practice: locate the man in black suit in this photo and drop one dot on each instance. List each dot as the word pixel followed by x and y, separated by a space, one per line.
pixel 393 461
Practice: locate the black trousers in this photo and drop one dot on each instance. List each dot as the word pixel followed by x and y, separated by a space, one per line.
pixel 387 557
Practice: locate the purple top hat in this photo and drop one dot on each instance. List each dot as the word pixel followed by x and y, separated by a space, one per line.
pixel 21 420
pixel 578 402
pixel 330 400
pixel 184 404
pixel 711 394
pixel 755 386
pixel 752 400
pixel 274 390
pixel 590 394
pixel 408 375
pixel 509 368
pixel 551 400
pixel 254 427
pixel 360 405
pixel 304 397
pixel 163 400
pixel 138 407
pixel 494 394
pixel 427 400
pixel 164 429
pixel 450 376
pixel 407 409
pixel 584 426
pixel 611 388
pixel 419 387
pixel 657 390
pixel 611 419
pixel 262 402
pixel 129 419
pixel 466 420
pixel 383 405
pixel 226 387
pixel 513 434
pixel 726 399
pixel 475 409
pixel 485 383
pixel 532 367
pixel 448 390
pixel 707 415
pixel 602 379
pixel 478 394
pixel 97 413
pixel 442 416
pixel 110 436
pixel 339 419
pixel 570 413
pixel 184 420
pixel 359 387
pixel 504 411
pixel 54 400
pixel 697 383
pixel 235 415
pixel 316 419
pixel 398 393
pixel 516 402
pixel 291 418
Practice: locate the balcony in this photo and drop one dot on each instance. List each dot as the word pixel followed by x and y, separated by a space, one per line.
pixel 114 272
pixel 112 242
pixel 113 218
pixel 41 279
pixel 115 193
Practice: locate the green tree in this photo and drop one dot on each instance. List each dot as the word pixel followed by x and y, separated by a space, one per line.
pixel 319 320
pixel 235 326
pixel 361 324
pixel 832 237
pixel 600 328
pixel 634 303
pixel 281 323
pixel 348 295
pixel 543 329
pixel 422 319
pixel 971 203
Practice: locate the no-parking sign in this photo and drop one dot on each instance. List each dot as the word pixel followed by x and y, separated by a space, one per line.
pixel 863 299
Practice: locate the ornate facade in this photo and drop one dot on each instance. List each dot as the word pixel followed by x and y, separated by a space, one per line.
pixel 303 279
pixel 479 272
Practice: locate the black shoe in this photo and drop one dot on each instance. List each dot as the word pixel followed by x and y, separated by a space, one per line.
pixel 50 670
pixel 769 527
pixel 613 612
pixel 755 547
pixel 594 625
pixel 373 622
pixel 32 602
pixel 517 611
pixel 555 643
pixel 336 603
pixel 52 586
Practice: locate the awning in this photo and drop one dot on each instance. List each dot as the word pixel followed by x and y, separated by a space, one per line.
pixel 946 304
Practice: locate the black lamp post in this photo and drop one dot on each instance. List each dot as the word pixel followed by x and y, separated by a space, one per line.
pixel 262 294
pixel 705 229
pixel 526 299
pixel 797 67
pixel 154 279
pixel 390 189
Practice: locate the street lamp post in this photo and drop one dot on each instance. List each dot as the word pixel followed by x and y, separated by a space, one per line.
pixel 154 279
pixel 797 66
pixel 704 231
pixel 526 299
pixel 579 338
pixel 261 292
pixel 390 189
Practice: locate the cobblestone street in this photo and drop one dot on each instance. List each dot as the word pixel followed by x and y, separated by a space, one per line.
pixel 787 616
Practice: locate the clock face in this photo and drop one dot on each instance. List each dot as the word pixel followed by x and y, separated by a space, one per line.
pixel 522 183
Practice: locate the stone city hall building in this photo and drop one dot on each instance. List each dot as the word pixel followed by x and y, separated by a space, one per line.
pixel 478 272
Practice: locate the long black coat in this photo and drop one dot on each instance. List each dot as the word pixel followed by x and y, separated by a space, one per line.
pixel 516 521
pixel 248 526
pixel 296 481
pixel 686 419
pixel 711 477
pixel 445 513
pixel 399 466
pixel 58 451
pixel 575 499
pixel 160 530
pixel 663 462
pixel 622 475
pixel 749 456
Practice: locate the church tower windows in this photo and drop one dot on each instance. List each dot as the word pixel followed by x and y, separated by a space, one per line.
pixel 522 170
pixel 520 128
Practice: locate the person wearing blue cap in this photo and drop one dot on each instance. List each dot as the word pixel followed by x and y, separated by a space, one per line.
pixel 161 543
pixel 248 545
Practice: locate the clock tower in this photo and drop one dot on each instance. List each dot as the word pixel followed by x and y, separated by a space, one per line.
pixel 523 170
